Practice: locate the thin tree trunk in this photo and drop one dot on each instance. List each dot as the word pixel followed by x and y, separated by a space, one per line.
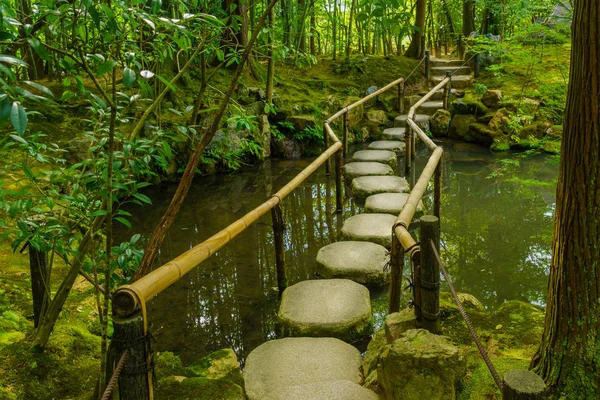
pixel 313 31
pixel 468 17
pixel 334 30
pixel 414 50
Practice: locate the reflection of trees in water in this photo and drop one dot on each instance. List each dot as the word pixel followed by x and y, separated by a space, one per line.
pixel 497 234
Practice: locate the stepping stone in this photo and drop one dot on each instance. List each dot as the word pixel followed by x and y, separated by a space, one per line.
pixel 365 186
pixel 390 203
pixel 392 145
pixel 393 134
pixel 338 308
pixel 421 120
pixel 441 71
pixel 458 81
pixel 439 95
pixel 362 262
pixel 375 228
pixel 277 364
pixel 332 390
pixel 356 169
pixel 444 62
pixel 430 107
pixel 382 156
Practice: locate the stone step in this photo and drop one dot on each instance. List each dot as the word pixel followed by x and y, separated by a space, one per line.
pixel 443 62
pixel 374 228
pixel 390 203
pixel 357 169
pixel 392 145
pixel 458 81
pixel 441 71
pixel 338 308
pixel 439 95
pixel 393 134
pixel 365 186
pixel 362 262
pixel 421 120
pixel 430 107
pixel 278 364
pixel 382 156
pixel 333 390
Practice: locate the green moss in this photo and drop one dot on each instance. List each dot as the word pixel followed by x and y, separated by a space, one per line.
pixel 198 389
pixel 479 383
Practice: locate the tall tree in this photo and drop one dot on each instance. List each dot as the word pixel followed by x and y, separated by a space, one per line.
pixel 414 50
pixel 569 356
pixel 468 17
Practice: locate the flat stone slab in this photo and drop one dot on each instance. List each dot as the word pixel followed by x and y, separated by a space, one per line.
pixel 357 169
pixel 332 390
pixel 441 71
pixel 458 81
pixel 392 145
pixel 362 262
pixel 375 228
pixel 445 62
pixel 421 120
pixel 278 364
pixel 390 203
pixel 430 107
pixel 365 186
pixel 383 156
pixel 338 308
pixel 439 95
pixel 393 134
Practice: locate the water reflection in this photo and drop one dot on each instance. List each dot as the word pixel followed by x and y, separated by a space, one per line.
pixel 496 235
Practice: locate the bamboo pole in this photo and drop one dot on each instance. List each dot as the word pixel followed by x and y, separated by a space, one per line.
pixel 417 129
pixel 397 269
pixel 278 229
pixel 345 139
pixel 419 103
pixel 437 190
pixel 430 274
pixel 339 185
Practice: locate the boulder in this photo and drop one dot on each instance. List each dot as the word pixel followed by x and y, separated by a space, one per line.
pixel 365 186
pixel 536 130
pixel 301 121
pixel 180 387
pixel 377 117
pixel 467 106
pixel 78 149
pixel 492 98
pixel 440 123
pixel 420 365
pixel 374 349
pixel 397 323
pixel 501 121
pixel 345 390
pixel 482 134
pixel 225 141
pixel 459 127
pixel 221 364
pixel 355 115
pixel 287 148
pixel 362 262
pixel 258 94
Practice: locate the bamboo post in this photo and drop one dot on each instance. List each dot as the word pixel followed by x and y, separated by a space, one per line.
pixel 397 269
pixel 476 66
pixel 460 47
pixel 339 187
pixel 401 98
pixel 430 273
pixel 427 67
pixel 278 231
pixel 437 190
pixel 446 47
pixel 407 149
pixel 422 53
pixel 38 267
pixel 414 144
pixel 345 139
pixel 134 381
pixel 326 142
pixel 417 291
pixel 438 49
pixel 447 91
pixel 520 384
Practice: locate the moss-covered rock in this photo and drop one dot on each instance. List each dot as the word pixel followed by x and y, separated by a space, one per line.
pixel 374 348
pixel 551 146
pixel 377 117
pixel 439 123
pixel 492 98
pixel 459 126
pixel 221 364
pixel 500 121
pixel 179 388
pixel 398 323
pixel 302 121
pixel 483 134
pixel 555 132
pixel 464 106
pixel 536 130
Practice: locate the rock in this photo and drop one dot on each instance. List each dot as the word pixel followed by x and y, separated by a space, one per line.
pixel 420 119
pixel 439 123
pixel 485 119
pixel 277 364
pixel 287 148
pixel 257 94
pixel 374 228
pixel 393 145
pixel 523 384
pixel 382 156
pixel 264 135
pixel 357 169
pixel 225 141
pixel 374 348
pixel 323 391
pixel 393 134
pixel 370 90
pixel 555 132
pixel 389 203
pixel 362 262
pixel 301 121
pixel 338 308
pixel 466 106
pixel 221 364
pixel 377 117
pixel 77 149
pixel 470 302
pixel 365 186
pixel 175 388
pixel 355 115
pixel 397 323
pixel 459 127
pixel 410 101
pixel 482 134
pixel 536 130
pixel 492 98
pixel 241 90
pixel 420 365
pixel 501 143
pixel 500 121
pixel 551 146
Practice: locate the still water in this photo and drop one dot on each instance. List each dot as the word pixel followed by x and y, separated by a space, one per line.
pixel 497 216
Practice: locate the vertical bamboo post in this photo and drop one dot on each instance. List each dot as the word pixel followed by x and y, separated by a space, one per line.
pixel 422 52
pixel 134 381
pixel 417 291
pixel 430 273
pixel 447 91
pixel 407 149
pixel 339 187
pixel 397 270
pixel 438 49
pixel 427 66
pixel 278 231
pixel 345 139
pixel 414 144
pixel 476 66
pixel 460 47
pixel 437 189
pixel 446 47
pixel 401 97
pixel 38 267
pixel 326 142
pixel 520 384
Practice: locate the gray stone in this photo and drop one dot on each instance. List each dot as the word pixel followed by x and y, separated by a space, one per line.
pixel 356 169
pixel 374 348
pixel 421 120
pixel 458 81
pixel 389 203
pixel 302 121
pixel 392 145
pixel 331 390
pixel 420 365
pixel 440 123
pixel 430 107
pixel 492 98
pixel 365 186
pixel 447 63
pixel 377 117
pixel 375 228
pixel 281 363
pixel 382 156
pixel 393 134
pixel 459 127
pixel 362 262
pixel 397 323
pixel 337 308
pixel 457 70
pixel 468 106
pixel 78 149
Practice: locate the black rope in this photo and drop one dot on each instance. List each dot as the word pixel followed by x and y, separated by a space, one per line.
pixel 465 63
pixel 413 71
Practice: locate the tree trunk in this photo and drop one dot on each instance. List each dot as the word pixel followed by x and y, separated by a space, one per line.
pixel 568 358
pixel 414 50
pixel 448 17
pixel 334 29
pixel 468 17
pixel 313 31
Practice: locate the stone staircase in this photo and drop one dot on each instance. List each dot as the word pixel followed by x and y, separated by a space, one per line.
pixel 319 317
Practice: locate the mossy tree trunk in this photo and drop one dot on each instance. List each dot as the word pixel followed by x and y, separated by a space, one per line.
pixel 569 357
pixel 468 17
pixel 414 50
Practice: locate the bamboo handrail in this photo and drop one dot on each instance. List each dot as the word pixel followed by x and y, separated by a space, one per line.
pixel 129 298
pixel 419 103
pixel 330 133
pixel 421 134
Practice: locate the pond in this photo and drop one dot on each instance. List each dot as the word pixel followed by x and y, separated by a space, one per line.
pixel 497 217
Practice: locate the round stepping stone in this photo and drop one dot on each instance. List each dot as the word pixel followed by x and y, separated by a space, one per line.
pixel 281 363
pixel 391 203
pixel 393 134
pixel 365 186
pixel 392 145
pixel 357 169
pixel 430 107
pixel 336 308
pixel 342 390
pixel 382 156
pixel 362 262
pixel 420 119
pixel 375 228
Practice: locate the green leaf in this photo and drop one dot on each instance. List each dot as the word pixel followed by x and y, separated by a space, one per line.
pixel 167 83
pixel 123 221
pixel 146 74
pixel 105 67
pixel 135 238
pixel 98 213
pixel 156 4
pixel 41 88
pixel 143 198
pixel 12 60
pixel 5 106
pixel 18 117
pixel 19 139
pixel 128 77
pixel 167 150
pixel 39 48
pixel 7 71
